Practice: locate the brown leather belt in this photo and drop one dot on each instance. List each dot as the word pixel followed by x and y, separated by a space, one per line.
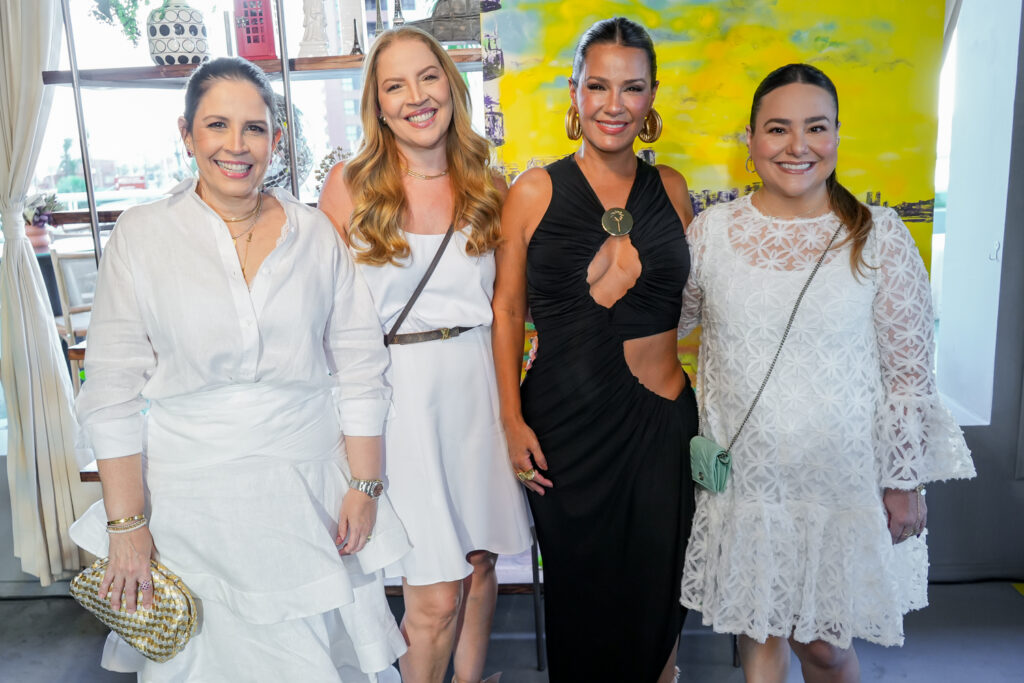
pixel 417 337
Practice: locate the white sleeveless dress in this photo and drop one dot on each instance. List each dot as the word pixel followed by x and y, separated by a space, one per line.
pixel 445 460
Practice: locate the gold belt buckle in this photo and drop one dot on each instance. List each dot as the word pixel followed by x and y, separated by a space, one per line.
pixel 446 333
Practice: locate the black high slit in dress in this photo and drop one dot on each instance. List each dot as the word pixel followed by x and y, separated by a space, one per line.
pixel 613 528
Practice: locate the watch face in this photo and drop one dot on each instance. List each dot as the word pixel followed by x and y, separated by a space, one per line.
pixel 376 489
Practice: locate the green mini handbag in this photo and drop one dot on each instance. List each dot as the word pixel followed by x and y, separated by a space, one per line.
pixel 710 464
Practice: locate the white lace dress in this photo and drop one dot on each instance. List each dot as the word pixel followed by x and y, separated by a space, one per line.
pixel 798 542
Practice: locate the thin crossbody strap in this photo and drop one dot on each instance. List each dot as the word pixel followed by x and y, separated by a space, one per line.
pixel 419 288
pixel 785 334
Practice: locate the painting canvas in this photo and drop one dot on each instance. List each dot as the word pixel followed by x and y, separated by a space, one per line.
pixel 884 58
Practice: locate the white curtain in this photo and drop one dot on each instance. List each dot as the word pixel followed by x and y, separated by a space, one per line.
pixel 46 494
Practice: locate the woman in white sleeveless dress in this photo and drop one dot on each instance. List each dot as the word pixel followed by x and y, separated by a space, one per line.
pixel 819 536
pixel 421 169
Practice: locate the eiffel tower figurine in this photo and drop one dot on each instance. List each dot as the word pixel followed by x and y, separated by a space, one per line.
pixel 356 47
pixel 378 26
pixel 398 19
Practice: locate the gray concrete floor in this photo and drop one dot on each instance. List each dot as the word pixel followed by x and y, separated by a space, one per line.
pixel 971 633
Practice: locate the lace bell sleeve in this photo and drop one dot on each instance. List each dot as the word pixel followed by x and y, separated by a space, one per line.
pixel 915 436
pixel 693 292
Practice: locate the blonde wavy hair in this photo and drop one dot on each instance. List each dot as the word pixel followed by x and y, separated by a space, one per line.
pixel 374 174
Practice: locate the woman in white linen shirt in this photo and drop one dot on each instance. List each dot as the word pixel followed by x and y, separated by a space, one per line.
pixel 819 536
pixel 239 315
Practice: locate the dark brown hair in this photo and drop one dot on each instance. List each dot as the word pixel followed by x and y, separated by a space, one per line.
pixel 226 68
pixel 853 214
pixel 615 31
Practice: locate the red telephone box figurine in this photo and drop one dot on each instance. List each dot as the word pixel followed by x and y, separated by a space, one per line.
pixel 254 29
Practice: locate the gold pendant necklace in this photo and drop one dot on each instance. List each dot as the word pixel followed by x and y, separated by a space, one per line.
pixel 424 176
pixel 259 210
pixel 249 231
pixel 245 259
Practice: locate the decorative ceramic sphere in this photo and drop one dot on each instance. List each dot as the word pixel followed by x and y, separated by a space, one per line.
pixel 177 35
pixel 279 171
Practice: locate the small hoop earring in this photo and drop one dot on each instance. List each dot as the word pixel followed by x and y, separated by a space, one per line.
pixel 573 128
pixel 651 130
pixel 749 165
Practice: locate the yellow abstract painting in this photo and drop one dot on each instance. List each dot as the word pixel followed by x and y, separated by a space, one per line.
pixel 883 56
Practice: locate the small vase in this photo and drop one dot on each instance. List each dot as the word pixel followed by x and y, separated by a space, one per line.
pixel 39 237
pixel 177 35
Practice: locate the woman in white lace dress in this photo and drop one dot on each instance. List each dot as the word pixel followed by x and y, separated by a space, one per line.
pixel 819 536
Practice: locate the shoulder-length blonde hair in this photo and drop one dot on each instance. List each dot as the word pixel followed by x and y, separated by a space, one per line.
pixel 374 174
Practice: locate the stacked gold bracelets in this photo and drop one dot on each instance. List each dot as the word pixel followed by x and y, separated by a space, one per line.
pixel 123 526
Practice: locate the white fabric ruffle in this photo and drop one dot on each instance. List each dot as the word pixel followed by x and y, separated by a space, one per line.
pixel 917 440
pixel 245 510
pixel 813 571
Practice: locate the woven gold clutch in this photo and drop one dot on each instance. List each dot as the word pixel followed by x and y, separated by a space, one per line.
pixel 160 632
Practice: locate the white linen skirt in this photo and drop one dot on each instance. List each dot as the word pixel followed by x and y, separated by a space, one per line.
pixel 243 486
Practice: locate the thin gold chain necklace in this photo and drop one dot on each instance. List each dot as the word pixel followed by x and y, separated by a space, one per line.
pixel 249 231
pixel 424 176
pixel 239 219
pixel 255 215
pixel 233 219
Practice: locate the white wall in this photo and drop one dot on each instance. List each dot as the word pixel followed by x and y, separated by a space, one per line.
pixel 986 76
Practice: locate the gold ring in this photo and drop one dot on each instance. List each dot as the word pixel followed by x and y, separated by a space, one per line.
pixel 368 537
pixel 527 475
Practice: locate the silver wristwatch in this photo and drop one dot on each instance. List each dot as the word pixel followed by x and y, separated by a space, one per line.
pixel 371 487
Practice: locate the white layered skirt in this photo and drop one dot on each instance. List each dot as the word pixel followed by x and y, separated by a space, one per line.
pixel 244 485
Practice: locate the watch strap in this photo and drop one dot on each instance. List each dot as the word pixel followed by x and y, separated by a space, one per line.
pixel 371 487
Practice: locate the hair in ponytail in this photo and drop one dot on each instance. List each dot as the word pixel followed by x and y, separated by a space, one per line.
pixel 852 213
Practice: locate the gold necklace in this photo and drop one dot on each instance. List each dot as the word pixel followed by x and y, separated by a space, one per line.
pixel 256 213
pixel 424 176
pixel 249 231
pixel 239 219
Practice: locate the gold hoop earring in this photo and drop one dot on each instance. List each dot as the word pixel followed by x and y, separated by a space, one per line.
pixel 573 128
pixel 651 130
pixel 749 165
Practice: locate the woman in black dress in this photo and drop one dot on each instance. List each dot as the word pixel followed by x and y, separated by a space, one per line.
pixel 600 429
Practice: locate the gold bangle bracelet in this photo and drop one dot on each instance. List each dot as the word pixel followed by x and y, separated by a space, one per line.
pixel 126 528
pixel 126 520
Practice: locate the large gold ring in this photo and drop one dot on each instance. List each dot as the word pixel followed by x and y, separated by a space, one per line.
pixel 527 475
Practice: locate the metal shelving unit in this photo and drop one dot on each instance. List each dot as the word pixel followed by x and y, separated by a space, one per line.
pixel 174 78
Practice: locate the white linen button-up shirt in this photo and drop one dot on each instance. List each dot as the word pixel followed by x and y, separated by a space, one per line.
pixel 173 316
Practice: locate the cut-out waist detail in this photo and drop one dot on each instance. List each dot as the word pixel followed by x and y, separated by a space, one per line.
pixel 653 362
